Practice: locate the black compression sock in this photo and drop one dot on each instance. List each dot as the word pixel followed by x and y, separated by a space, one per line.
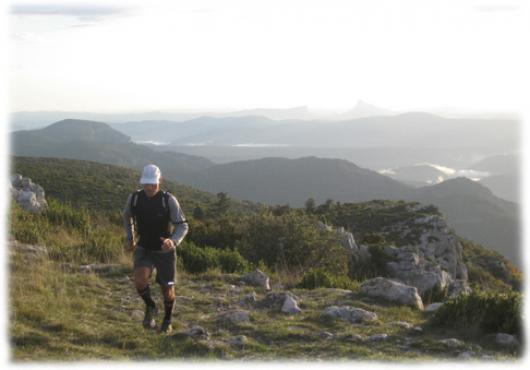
pixel 146 296
pixel 168 306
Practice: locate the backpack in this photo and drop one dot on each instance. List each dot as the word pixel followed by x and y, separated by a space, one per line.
pixel 165 202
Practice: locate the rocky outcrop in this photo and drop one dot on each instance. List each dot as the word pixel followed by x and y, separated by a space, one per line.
pixel 357 253
pixel 351 314
pixel 29 251
pixel 234 317
pixel 28 195
pixel 197 331
pixel 290 306
pixel 506 340
pixel 433 262
pixel 421 252
pixel 392 291
pixel 433 307
pixel 256 278
pixel 238 340
pixel 248 299
pixel 281 301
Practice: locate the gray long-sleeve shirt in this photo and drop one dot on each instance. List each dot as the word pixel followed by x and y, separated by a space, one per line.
pixel 176 217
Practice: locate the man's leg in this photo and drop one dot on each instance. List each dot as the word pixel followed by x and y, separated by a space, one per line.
pixel 141 282
pixel 165 277
pixel 169 300
pixel 143 267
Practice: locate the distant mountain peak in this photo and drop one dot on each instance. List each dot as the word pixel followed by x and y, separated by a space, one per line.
pixel 461 185
pixel 83 130
pixel 72 122
pixel 364 109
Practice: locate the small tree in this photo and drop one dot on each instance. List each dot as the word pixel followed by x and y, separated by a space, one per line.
pixel 198 213
pixel 310 205
pixel 222 204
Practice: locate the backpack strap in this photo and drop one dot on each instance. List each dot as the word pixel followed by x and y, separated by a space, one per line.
pixel 165 201
pixel 134 201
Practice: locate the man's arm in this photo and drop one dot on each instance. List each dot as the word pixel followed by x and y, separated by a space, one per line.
pixel 127 220
pixel 178 219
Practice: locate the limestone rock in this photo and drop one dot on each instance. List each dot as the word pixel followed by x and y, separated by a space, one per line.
pixel 350 314
pixel 355 338
pixel 256 278
pixel 238 340
pixel 276 300
pixel 377 337
pixel 248 299
pixel 506 340
pixel 458 287
pixel 197 331
pixel 234 317
pixel 28 250
pixel 429 256
pixel 432 261
pixel 401 324
pixel 326 335
pixel 28 195
pixel 290 306
pixel 357 253
pixel 433 307
pixel 466 355
pixel 392 291
pixel 452 342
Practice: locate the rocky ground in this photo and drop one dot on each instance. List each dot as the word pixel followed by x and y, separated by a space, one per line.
pixel 63 311
pixel 67 312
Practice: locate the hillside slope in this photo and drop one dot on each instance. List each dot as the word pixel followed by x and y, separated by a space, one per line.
pixel 97 141
pixel 92 316
pixel 75 268
pixel 292 181
pixel 103 187
pixel 475 213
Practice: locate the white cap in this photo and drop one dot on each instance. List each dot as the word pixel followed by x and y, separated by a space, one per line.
pixel 150 175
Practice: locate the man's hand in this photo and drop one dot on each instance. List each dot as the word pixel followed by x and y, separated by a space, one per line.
pixel 167 244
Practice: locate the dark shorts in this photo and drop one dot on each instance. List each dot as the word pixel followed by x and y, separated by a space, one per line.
pixel 163 262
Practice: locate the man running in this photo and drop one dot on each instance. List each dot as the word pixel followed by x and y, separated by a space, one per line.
pixel 152 212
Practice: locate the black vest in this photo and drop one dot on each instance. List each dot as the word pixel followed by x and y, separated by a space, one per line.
pixel 152 218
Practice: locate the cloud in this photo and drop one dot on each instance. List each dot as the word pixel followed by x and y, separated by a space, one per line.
pixel 83 12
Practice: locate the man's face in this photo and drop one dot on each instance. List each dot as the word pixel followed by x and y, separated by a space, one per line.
pixel 151 189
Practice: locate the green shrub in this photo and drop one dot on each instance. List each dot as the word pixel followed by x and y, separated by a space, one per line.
pixel 63 214
pixel 319 278
pixel 25 226
pixel 291 241
pixel 315 279
pixel 486 312
pixel 196 259
pixel 231 261
pixel 199 259
pixel 70 234
pixel 101 245
pixel 376 266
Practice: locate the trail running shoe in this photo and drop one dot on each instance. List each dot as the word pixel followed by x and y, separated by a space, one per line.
pixel 149 318
pixel 166 327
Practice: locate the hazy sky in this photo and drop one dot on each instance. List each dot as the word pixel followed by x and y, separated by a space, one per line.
pixel 143 55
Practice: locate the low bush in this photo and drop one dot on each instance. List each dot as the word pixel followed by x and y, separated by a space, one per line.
pixel 486 312
pixel 319 278
pixel 199 259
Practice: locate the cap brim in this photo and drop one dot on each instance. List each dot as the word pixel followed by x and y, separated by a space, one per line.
pixel 147 180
